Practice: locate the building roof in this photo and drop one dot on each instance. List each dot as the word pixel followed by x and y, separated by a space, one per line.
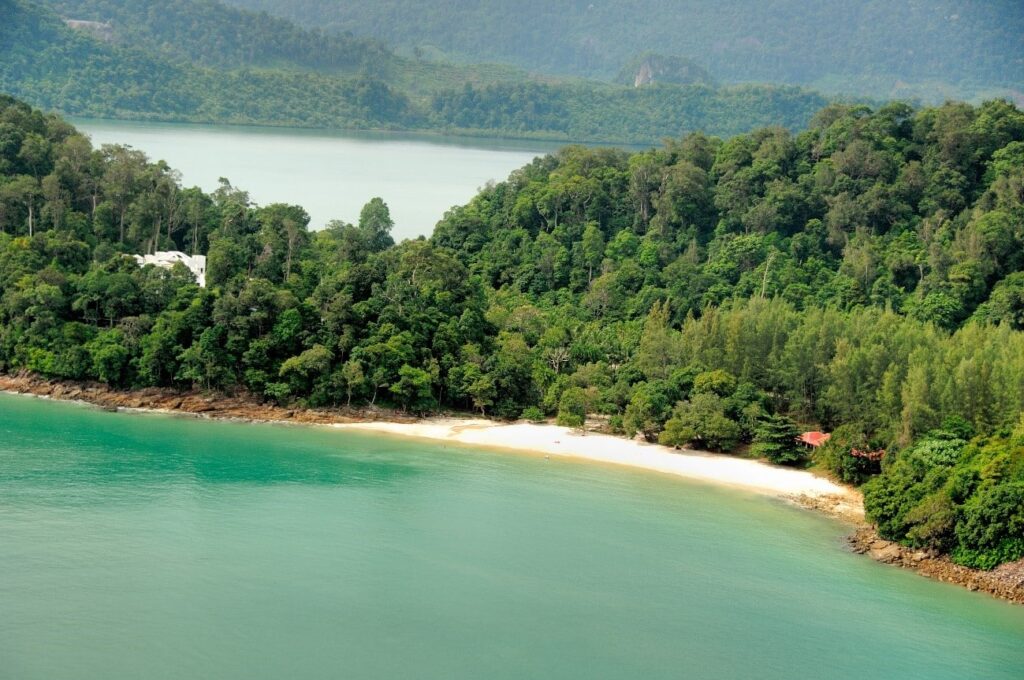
pixel 815 438
pixel 167 259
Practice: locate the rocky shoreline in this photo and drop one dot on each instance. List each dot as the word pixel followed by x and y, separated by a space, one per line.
pixel 199 404
pixel 1006 582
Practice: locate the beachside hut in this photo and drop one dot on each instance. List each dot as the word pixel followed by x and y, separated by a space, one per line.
pixel 814 439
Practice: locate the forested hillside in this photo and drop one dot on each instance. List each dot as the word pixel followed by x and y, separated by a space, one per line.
pixel 195 60
pixel 865 276
pixel 597 112
pixel 214 34
pixel 55 67
pixel 933 48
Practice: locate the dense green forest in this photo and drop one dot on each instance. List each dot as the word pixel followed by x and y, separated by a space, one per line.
pixel 195 60
pixel 865 276
pixel 934 49
pixel 214 34
pixel 57 68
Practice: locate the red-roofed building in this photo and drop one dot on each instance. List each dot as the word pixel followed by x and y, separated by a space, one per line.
pixel 814 439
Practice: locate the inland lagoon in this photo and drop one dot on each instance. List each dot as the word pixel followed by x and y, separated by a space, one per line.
pixel 331 174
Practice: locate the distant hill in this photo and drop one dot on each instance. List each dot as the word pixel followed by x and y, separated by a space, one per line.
pixel 200 61
pixel 214 34
pixel 55 66
pixel 929 48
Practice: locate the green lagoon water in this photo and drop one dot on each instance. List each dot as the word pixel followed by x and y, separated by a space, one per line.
pixel 147 546
pixel 331 174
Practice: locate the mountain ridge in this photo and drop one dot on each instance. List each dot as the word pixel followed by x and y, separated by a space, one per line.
pixel 932 49
pixel 131 76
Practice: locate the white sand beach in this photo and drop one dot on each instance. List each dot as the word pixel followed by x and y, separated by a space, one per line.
pixel 553 440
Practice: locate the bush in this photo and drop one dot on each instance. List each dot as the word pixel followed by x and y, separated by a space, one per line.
pixel 835 458
pixel 991 530
pixel 647 410
pixel 940 448
pixel 676 433
pixel 572 408
pixel 943 493
pixel 907 494
pixel 703 420
pixel 533 414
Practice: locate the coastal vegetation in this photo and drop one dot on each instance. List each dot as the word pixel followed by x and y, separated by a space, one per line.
pixel 864 276
pixel 201 61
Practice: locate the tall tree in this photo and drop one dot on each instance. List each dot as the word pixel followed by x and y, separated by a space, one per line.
pixel 375 223
pixel 23 190
pixel 124 169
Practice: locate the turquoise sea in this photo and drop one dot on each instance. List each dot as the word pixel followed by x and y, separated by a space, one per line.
pixel 151 546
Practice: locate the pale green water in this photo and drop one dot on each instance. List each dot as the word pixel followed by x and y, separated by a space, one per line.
pixel 143 546
pixel 331 175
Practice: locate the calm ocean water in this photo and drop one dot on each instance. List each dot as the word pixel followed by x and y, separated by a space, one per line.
pixel 146 546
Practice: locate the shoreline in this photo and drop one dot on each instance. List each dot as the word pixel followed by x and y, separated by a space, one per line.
pixel 557 140
pixel 798 487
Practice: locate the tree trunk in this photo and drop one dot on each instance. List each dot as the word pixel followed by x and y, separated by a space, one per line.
pixel 767 267
pixel 31 215
pixel 156 235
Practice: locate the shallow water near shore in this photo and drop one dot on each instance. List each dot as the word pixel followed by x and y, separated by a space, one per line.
pixel 152 546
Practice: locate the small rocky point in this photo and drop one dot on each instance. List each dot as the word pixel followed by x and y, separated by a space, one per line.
pixel 192 402
pixel 1005 582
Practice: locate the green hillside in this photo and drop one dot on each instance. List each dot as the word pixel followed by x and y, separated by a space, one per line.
pixel 57 68
pixel 931 48
pixel 264 72
pixel 213 34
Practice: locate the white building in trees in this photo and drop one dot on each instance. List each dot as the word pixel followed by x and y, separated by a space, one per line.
pixel 167 258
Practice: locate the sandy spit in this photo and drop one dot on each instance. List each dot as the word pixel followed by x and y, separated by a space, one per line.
pixel 552 440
